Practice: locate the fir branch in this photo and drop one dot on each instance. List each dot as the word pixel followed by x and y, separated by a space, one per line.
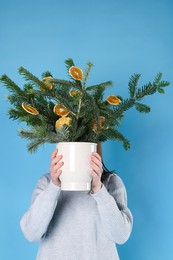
pixel 23 116
pixel 112 120
pixel 30 77
pixel 89 65
pixel 79 133
pixel 28 89
pixel 69 63
pixel 91 137
pixel 15 100
pixel 157 78
pixel 146 90
pixel 46 74
pixel 133 83
pixel 35 144
pixel 161 90
pixel 16 114
pixel 160 83
pixel 30 134
pixel 39 136
pixel 123 106
pixel 164 83
pixel 87 107
pixel 11 86
pixel 115 135
pixel 151 88
pixel 62 134
pixel 98 95
pixel 142 107
pixel 61 83
pixel 62 97
pixel 102 85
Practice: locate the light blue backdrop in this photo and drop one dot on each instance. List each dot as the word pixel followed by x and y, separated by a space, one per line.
pixel 120 38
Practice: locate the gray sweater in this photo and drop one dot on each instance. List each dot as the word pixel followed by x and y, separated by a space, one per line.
pixel 78 225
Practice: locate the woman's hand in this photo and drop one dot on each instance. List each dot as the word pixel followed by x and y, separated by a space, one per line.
pixel 55 167
pixel 96 172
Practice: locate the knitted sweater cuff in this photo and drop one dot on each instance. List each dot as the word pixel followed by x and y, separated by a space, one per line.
pixel 54 189
pixel 101 196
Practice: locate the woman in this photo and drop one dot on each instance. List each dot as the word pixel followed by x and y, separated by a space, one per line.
pixel 78 225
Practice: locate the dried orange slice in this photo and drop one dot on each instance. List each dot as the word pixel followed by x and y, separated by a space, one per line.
pixel 45 80
pixel 74 93
pixel 102 121
pixel 113 100
pixel 76 73
pixel 29 109
pixel 60 110
pixel 62 121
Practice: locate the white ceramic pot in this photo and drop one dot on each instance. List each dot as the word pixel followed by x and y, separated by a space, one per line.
pixel 76 169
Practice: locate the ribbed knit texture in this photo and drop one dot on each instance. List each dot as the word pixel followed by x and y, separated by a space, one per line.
pixel 78 225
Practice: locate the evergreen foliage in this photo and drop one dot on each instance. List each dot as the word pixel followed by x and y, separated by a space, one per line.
pixel 40 103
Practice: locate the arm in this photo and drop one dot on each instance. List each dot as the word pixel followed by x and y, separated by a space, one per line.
pixel 35 221
pixel 44 200
pixel 115 216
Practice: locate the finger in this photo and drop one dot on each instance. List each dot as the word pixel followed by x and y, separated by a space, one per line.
pixel 95 177
pixel 54 153
pixel 58 166
pixel 56 160
pixel 56 171
pixel 97 160
pixel 56 177
pixel 97 170
pixel 57 174
pixel 97 156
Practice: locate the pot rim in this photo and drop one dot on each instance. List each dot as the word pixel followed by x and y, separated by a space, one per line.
pixel 76 143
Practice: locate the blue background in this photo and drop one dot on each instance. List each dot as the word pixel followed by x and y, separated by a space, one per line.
pixel 120 38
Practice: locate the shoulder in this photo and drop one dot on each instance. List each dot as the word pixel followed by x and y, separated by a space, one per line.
pixel 116 181
pixel 45 177
pixel 42 182
pixel 116 188
pixel 113 181
pixel 41 185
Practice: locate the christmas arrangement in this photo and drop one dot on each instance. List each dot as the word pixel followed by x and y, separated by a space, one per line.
pixel 57 110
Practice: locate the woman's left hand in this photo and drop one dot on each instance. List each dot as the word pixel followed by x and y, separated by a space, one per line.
pixel 96 172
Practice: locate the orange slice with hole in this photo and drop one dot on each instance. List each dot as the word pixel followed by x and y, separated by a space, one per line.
pixel 29 109
pixel 46 81
pixel 74 93
pixel 113 100
pixel 62 121
pixel 60 110
pixel 76 73
pixel 102 121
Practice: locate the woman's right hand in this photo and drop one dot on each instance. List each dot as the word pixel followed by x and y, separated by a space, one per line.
pixel 55 167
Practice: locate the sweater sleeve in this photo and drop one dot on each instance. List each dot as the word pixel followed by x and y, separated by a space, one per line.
pixel 35 221
pixel 115 216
